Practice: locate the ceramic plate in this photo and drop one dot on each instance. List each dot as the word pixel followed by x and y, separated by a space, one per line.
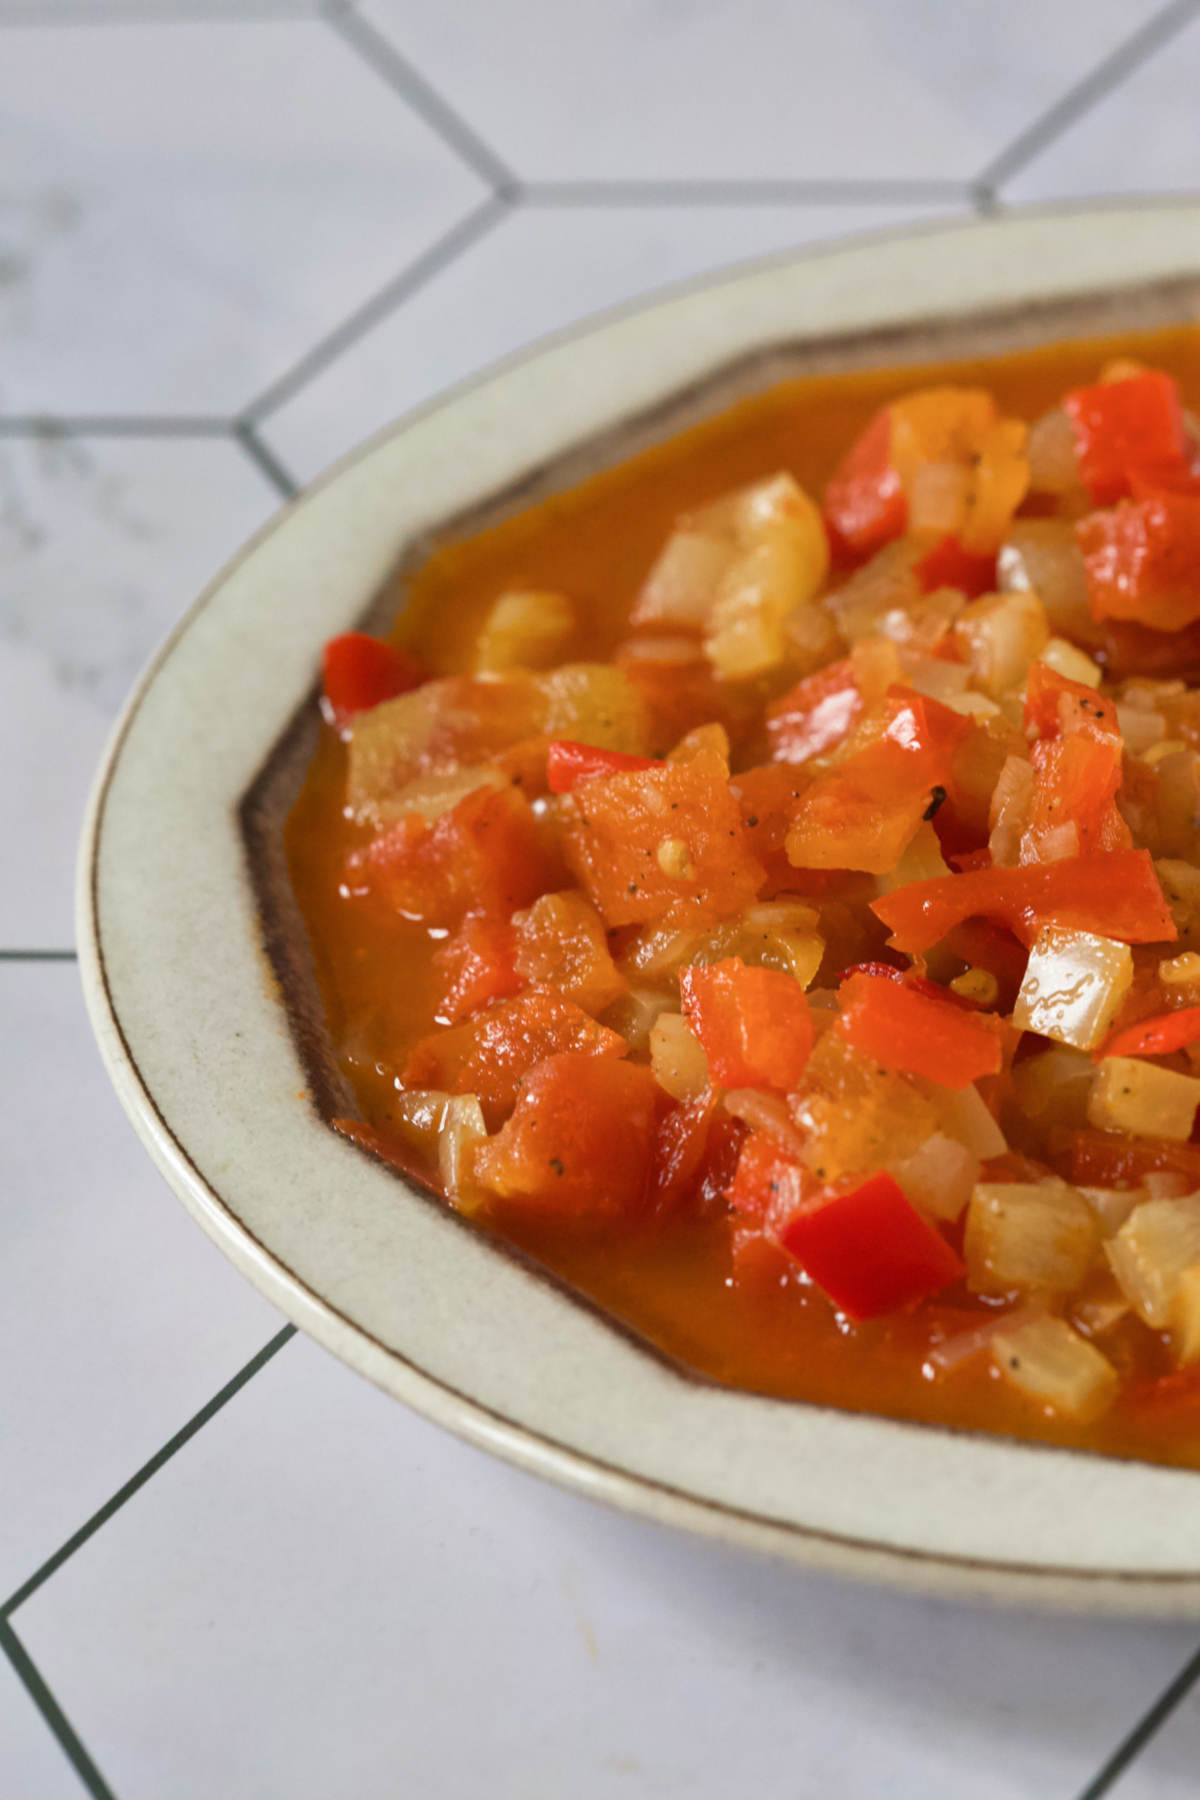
pixel 202 995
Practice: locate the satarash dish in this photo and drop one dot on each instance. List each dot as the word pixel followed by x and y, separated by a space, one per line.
pixel 763 883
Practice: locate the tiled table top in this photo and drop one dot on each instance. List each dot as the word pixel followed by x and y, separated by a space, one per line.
pixel 234 239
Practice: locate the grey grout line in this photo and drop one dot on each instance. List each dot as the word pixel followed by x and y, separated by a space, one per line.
pixel 138 1480
pixel 265 459
pixel 38 956
pixel 476 224
pixel 27 1672
pixel 1146 1727
pixel 1103 79
pixel 49 425
pixel 382 55
pixel 754 191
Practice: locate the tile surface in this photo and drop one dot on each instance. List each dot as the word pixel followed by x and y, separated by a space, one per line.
pixel 120 1317
pixel 31 1763
pixel 849 89
pixel 1141 138
pixel 379 1574
pixel 537 271
pixel 187 207
pixel 1169 1769
pixel 103 543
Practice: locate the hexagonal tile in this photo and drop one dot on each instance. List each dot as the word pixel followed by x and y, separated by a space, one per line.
pixel 120 1320
pixel 369 1606
pixel 187 207
pixel 538 271
pixel 103 542
pixel 1140 138
pixel 861 89
pixel 31 1763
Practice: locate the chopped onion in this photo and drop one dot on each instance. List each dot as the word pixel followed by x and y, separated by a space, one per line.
pixel 1008 814
pixel 967 1118
pixel 1040 1236
pixel 463 1130
pixel 525 629
pixel 1112 1206
pixel 1068 660
pixel 1056 1080
pixel 1050 447
pixel 937 499
pixel 682 585
pixel 679 1064
pixel 1140 729
pixel 1053 1365
pixel 1041 556
pixel 1133 1095
pixel 951 1351
pixel 634 1014
pixel 1074 985
pixel 1158 1242
pixel 764 1112
pixel 999 636
pixel 939 1177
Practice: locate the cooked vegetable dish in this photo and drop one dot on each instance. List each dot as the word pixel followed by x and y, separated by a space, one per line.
pixel 763 884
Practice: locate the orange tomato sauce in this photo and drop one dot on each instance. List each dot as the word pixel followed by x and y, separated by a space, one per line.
pixel 673 1283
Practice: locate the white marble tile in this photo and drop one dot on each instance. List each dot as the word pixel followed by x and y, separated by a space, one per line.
pixel 119 1318
pixel 368 1606
pixel 1144 137
pixel 536 272
pixel 32 1767
pixel 103 542
pixel 832 89
pixel 1168 1768
pixel 186 208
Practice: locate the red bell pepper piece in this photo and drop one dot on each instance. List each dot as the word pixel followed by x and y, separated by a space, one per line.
pixel 1119 425
pixel 1142 561
pixel 568 763
pixel 864 500
pixel 898 1025
pixel 816 714
pixel 949 565
pixel 362 671
pixel 1114 893
pixel 1158 1036
pixel 869 1248
pixel 680 1143
pixel 754 1025
pixel 1056 707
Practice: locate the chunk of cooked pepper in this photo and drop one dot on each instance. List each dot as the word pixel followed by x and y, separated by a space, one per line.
pixel 580 1142
pixel 910 1027
pixel 1142 561
pixel 1114 893
pixel 1120 426
pixel 754 1025
pixel 664 844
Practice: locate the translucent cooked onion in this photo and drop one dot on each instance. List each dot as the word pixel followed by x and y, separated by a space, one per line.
pixel 1053 1365
pixel 1041 556
pixel 764 1112
pixel 1050 449
pixel 680 1065
pixel 1074 985
pixel 1158 1242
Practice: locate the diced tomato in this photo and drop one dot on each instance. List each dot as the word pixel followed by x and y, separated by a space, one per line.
pixel 491 1054
pixel 769 1185
pixel 579 1144
pixel 665 843
pixel 1114 893
pixel 1114 1159
pixel 768 796
pixel 918 1029
pixel 567 764
pixel 864 500
pixel 949 565
pixel 1075 782
pixel 680 1141
pixel 817 714
pixel 561 940
pixel 1159 1036
pixel 754 1024
pixel 1119 425
pixel 869 1248
pixel 1147 479
pixel 477 964
pixel 361 671
pixel 1142 561
pixel 485 855
pixel 863 813
pixel 1057 707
